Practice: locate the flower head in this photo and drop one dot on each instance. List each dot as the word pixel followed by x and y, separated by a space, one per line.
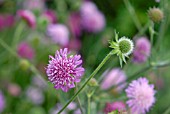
pixel 118 105
pixel 122 47
pixel 63 70
pixel 25 50
pixel 28 16
pixel 59 33
pixel 92 20
pixel 155 14
pixel 141 95
pixel 114 77
pixel 2 102
pixel 142 50
pixel 51 16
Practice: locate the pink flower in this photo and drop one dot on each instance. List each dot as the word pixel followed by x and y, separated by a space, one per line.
pixel 34 5
pixel 51 16
pixel 59 33
pixel 6 21
pixel 92 19
pixel 2 102
pixel 118 105
pixel 142 50
pixel 88 8
pixel 14 89
pixel 63 70
pixel 28 16
pixel 141 96
pixel 75 24
pixel 114 77
pixel 25 50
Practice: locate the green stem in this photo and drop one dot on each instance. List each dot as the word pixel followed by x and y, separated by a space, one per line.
pixel 32 67
pixel 133 14
pixel 17 33
pixel 89 105
pixel 167 111
pixel 79 103
pixel 83 86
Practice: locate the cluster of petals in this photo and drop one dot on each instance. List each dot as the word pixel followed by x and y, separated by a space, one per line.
pixel 64 71
pixel 141 96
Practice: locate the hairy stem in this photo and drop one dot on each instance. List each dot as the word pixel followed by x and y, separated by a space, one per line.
pixel 85 83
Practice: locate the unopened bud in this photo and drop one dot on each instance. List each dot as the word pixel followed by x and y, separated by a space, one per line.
pixel 155 14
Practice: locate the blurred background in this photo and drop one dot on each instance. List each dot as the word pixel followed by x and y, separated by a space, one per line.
pixel 31 30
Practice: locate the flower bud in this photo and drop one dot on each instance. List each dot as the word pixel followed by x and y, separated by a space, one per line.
pixel 24 64
pixel 93 82
pixel 155 14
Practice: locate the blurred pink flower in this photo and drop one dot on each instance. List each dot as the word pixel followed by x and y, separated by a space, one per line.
pixel 88 8
pixel 74 44
pixel 2 102
pixel 25 50
pixel 64 71
pixel 59 33
pixel 141 96
pixel 118 105
pixel 6 21
pixel 51 16
pixel 34 5
pixel 28 16
pixel 14 89
pixel 75 24
pixel 92 20
pixel 142 50
pixel 114 77
pixel 35 95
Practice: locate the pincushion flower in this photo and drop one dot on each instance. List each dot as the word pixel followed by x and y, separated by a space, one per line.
pixel 28 16
pixel 59 33
pixel 92 20
pixel 122 47
pixel 114 77
pixel 142 50
pixel 141 96
pixel 25 50
pixel 63 70
pixel 118 105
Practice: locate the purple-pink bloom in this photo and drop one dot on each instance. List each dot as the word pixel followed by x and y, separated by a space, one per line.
pixel 113 78
pixel 63 70
pixel 142 50
pixel 2 102
pixel 92 20
pixel 6 20
pixel 141 96
pixel 51 16
pixel 118 105
pixel 59 33
pixel 25 50
pixel 75 24
pixel 28 16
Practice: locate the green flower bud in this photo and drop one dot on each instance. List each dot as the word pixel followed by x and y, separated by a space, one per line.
pixel 24 64
pixel 93 82
pixel 155 14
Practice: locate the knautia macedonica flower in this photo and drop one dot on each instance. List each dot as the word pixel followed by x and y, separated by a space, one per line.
pixel 64 71
pixel 92 20
pixel 24 50
pixel 28 16
pixel 142 50
pixel 122 47
pixel 59 33
pixel 141 96
pixel 113 78
pixel 118 105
